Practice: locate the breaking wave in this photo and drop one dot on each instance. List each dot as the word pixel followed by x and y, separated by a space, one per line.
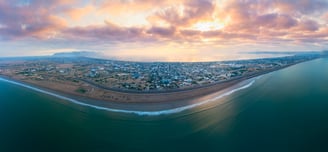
pixel 149 113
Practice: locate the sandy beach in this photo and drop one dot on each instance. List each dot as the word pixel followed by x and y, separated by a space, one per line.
pixel 154 108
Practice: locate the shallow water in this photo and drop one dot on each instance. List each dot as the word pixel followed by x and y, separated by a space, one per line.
pixel 286 110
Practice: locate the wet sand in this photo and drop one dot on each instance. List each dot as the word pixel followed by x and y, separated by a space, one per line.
pixel 154 108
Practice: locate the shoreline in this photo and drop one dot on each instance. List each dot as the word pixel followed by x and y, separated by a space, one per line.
pixel 139 98
pixel 213 92
pixel 130 109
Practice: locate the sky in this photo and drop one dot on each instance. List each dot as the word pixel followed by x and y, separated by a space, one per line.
pixel 162 30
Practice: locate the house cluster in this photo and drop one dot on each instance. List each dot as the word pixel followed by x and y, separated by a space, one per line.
pixel 147 76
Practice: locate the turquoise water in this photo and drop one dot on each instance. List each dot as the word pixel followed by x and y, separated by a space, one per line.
pixel 283 111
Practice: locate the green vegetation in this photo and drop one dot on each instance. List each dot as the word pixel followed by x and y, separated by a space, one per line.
pixel 81 90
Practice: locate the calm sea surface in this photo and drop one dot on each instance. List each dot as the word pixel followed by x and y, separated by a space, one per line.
pixel 286 110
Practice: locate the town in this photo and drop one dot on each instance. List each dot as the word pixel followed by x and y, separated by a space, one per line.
pixel 140 76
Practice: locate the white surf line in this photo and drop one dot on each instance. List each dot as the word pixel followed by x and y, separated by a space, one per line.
pixel 149 113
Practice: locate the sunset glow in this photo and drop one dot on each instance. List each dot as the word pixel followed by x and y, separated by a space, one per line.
pixel 212 29
pixel 208 26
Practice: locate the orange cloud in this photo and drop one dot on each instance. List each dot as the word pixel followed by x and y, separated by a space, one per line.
pixel 78 13
pixel 186 13
pixel 197 23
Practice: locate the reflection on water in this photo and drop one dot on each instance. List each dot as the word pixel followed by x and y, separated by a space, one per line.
pixel 282 111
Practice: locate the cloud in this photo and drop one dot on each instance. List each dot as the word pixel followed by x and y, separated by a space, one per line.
pixel 245 19
pixel 162 31
pixel 301 6
pixel 108 32
pixel 152 22
pixel 308 25
pixel 184 14
pixel 276 21
pixel 78 13
pixel 29 20
pixel 117 7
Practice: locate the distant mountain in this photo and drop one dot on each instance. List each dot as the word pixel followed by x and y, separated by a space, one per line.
pixel 285 53
pixel 324 53
pixel 78 54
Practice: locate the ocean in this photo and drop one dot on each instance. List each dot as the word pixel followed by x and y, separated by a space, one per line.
pixel 286 110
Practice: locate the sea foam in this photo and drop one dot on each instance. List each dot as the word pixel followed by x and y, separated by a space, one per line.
pixel 148 113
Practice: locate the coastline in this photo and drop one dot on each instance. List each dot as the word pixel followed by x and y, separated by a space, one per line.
pixel 203 95
pixel 140 97
pixel 140 109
